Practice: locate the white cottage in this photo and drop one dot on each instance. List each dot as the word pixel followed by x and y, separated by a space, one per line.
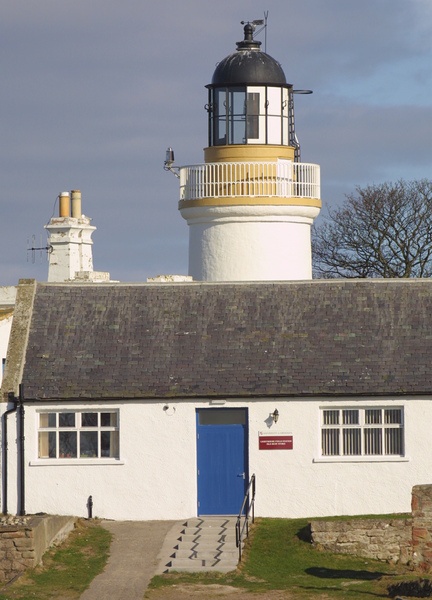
pixel 161 400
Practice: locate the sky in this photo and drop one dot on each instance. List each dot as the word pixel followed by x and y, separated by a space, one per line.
pixel 93 92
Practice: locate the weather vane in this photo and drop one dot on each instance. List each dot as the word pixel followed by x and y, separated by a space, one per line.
pixel 256 23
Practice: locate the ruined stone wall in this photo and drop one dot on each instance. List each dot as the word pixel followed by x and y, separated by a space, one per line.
pixel 421 506
pixel 23 541
pixel 388 540
pixel 17 551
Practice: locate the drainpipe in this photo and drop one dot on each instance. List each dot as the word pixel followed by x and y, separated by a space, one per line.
pixel 19 404
pixel 11 398
pixel 21 465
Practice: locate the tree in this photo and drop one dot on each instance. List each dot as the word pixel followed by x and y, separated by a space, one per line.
pixel 381 231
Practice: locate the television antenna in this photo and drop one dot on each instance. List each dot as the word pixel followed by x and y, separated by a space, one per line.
pixel 33 249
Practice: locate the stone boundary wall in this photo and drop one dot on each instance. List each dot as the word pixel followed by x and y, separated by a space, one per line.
pixel 406 541
pixel 23 541
pixel 386 540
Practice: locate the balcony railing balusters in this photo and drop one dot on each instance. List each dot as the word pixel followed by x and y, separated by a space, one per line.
pixel 283 179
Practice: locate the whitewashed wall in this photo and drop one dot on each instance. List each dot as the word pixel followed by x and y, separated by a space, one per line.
pixel 250 243
pixel 155 477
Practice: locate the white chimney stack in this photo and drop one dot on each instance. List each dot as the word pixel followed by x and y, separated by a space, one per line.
pixel 70 243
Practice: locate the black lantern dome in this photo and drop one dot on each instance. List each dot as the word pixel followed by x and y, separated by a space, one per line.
pixel 248 65
pixel 249 100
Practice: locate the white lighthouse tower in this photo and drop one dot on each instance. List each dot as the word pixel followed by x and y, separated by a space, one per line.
pixel 251 205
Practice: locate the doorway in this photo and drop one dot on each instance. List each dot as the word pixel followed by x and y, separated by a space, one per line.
pixel 222 460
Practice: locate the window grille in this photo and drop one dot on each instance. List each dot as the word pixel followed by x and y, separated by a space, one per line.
pixel 362 432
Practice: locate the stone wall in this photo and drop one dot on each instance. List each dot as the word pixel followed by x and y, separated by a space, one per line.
pixel 380 539
pixel 405 540
pixel 23 541
pixel 421 507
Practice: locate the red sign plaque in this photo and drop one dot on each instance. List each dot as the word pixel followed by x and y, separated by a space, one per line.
pixel 275 442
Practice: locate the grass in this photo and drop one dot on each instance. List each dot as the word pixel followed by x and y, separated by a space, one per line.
pixel 67 570
pixel 278 558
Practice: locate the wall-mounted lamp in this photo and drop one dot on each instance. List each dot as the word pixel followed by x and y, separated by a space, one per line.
pixel 275 415
pixel 169 410
pixel 169 161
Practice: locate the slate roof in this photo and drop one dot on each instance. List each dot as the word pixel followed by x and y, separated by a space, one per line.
pixel 340 337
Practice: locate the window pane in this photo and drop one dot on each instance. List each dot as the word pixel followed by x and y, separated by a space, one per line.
pixel 47 444
pixel 237 133
pixel 66 419
pixel 252 115
pixel 274 130
pixel 47 420
pixel 373 441
pixel 67 444
pixel 393 415
pixel 351 442
pixel 331 417
pixel 350 417
pixel 222 416
pixel 373 416
pixel 109 419
pixel 394 441
pixel 88 444
pixel 330 442
pixel 89 419
pixel 109 444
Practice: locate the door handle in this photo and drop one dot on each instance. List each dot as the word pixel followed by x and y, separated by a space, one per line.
pixel 243 475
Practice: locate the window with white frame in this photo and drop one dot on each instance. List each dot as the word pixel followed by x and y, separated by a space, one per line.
pixel 362 432
pixel 78 434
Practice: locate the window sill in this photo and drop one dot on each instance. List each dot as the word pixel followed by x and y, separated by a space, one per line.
pixel 70 462
pixel 361 459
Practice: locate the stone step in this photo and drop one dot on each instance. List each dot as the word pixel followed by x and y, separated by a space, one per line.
pixel 185 564
pixel 206 554
pixel 223 522
pixel 198 544
pixel 207 531
pixel 217 569
pixel 187 538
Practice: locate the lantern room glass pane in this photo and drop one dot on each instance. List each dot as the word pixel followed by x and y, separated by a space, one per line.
pixel 237 116
pixel 248 115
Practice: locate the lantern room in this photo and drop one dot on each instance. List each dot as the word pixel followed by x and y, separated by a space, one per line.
pixel 249 100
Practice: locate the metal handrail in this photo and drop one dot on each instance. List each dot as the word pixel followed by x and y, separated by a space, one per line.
pixel 249 504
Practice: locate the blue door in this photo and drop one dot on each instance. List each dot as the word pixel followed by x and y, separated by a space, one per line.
pixel 222 460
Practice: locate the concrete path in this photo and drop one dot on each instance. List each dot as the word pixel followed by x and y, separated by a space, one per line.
pixel 133 560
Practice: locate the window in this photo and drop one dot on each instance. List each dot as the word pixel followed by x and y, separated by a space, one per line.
pixel 78 434
pixel 362 432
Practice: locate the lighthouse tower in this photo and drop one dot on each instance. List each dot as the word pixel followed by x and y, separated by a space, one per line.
pixel 251 205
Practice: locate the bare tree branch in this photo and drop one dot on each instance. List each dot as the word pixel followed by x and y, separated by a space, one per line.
pixel 380 231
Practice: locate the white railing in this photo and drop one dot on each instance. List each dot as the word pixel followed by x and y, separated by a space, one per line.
pixel 283 178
